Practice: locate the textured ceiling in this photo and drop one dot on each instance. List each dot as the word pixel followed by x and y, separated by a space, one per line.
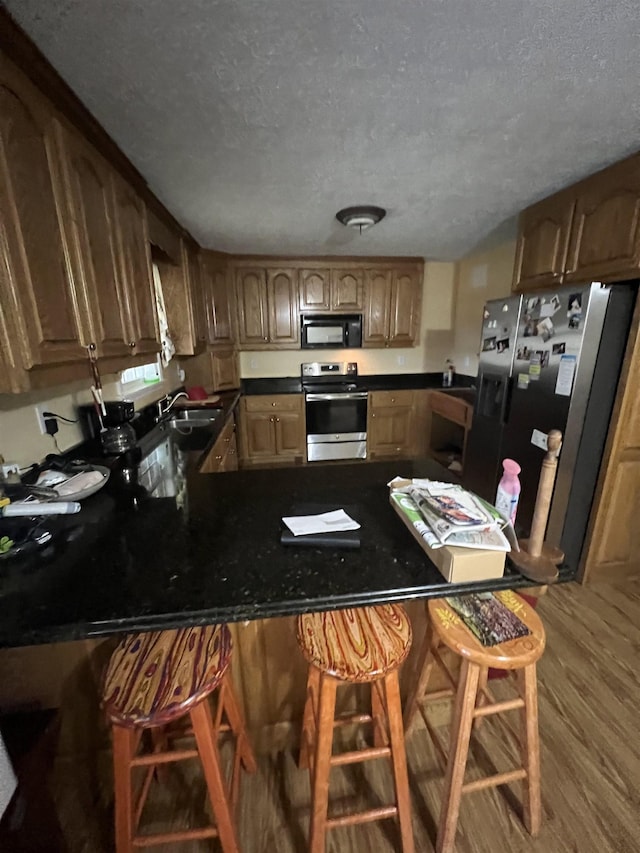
pixel 256 120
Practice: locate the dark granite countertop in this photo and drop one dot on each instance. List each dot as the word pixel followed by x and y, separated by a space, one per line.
pixel 372 382
pixel 205 548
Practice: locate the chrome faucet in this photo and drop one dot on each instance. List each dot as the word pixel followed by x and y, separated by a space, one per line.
pixel 166 403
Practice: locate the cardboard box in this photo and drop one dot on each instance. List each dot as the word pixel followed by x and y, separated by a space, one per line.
pixel 457 565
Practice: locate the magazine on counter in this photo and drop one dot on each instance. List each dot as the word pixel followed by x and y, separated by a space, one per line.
pixel 458 517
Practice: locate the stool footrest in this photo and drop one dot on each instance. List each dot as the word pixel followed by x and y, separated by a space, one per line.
pixel 351 720
pixel 493 781
pixel 360 755
pixel 154 758
pixel 362 817
pixel 498 707
pixel 178 835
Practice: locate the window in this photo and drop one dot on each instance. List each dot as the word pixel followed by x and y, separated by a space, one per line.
pixel 136 378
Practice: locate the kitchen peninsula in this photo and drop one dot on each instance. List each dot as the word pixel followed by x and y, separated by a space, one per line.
pixel 211 553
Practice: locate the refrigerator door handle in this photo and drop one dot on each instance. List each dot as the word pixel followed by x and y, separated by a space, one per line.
pixel 506 400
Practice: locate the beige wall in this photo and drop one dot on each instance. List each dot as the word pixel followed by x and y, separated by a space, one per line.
pixel 436 339
pixel 20 437
pixel 479 277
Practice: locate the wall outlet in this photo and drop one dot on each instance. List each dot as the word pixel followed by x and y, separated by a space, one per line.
pixel 401 360
pixel 10 468
pixel 40 417
pixel 253 364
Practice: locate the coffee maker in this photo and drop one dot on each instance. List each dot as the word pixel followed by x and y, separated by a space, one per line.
pixel 113 428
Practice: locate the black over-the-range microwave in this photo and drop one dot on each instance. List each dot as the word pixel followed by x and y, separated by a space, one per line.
pixel 331 331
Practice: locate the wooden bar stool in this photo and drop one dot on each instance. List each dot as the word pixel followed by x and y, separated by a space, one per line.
pixel 366 645
pixel 153 680
pixel 474 701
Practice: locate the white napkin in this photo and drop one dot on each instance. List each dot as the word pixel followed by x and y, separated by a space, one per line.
pixel 325 522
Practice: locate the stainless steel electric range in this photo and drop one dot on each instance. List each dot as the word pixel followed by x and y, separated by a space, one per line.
pixel 336 411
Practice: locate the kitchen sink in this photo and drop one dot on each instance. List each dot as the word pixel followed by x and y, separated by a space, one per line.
pixel 188 419
pixel 193 415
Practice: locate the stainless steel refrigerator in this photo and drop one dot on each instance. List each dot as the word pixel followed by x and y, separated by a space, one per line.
pixel 549 360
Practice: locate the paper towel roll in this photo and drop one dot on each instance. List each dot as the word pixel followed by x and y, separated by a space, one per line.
pixel 7 778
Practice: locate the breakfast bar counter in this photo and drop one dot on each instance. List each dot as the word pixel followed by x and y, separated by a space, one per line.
pixel 206 548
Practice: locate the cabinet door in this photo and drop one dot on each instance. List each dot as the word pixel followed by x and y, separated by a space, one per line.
pixel 36 278
pixel 377 303
pixel 404 310
pixel 605 237
pixel 543 241
pixel 198 297
pixel 347 289
pixel 290 435
pixel 284 324
pixel 91 232
pixel 251 301
pixel 389 432
pixel 314 290
pixel 260 435
pixel 226 375
pixel 218 298
pixel 135 264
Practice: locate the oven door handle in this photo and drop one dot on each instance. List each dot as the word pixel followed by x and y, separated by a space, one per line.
pixel 350 395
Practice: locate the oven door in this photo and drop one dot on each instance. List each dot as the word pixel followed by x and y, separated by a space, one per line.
pixel 336 425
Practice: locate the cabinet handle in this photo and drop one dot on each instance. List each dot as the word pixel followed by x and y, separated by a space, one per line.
pixel 266 338
pixel 274 404
pixel 218 458
pixel 92 347
pixel 373 414
pixel 132 344
pixel 277 420
pixel 393 399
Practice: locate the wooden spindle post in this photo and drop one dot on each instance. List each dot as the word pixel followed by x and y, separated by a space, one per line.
pixel 537 559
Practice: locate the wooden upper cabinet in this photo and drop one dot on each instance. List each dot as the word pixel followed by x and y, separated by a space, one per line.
pixel 225 368
pixel 198 297
pixel 543 241
pixel 377 306
pixel 218 299
pixel 605 238
pixel 37 284
pixel 347 290
pixel 315 289
pixel 251 301
pixel 267 307
pixel 392 306
pixel 91 233
pixel 135 265
pixel 282 290
pixel 404 310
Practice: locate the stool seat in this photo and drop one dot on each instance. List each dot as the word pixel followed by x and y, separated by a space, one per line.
pixel 512 654
pixel 155 678
pixel 356 644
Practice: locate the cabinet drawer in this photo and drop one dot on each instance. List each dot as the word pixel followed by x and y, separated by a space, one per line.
pixel 274 403
pixel 453 408
pixel 390 398
pixel 215 460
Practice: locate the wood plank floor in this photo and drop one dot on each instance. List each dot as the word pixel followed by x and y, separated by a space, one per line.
pixel 589 699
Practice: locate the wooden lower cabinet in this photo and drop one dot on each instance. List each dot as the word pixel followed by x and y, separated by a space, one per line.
pixel 390 424
pixel 272 429
pixel 223 456
pixel 270 677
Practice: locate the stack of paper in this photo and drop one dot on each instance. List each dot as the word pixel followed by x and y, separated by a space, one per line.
pixel 324 522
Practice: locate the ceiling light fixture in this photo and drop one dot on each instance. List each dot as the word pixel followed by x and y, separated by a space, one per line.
pixel 362 217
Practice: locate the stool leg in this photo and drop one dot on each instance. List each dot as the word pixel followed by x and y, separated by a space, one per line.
pixel 208 751
pixel 237 723
pixel 379 714
pixel 399 760
pixel 457 761
pixel 424 668
pixel 532 807
pixel 480 698
pixel 308 735
pixel 322 764
pixel 123 748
